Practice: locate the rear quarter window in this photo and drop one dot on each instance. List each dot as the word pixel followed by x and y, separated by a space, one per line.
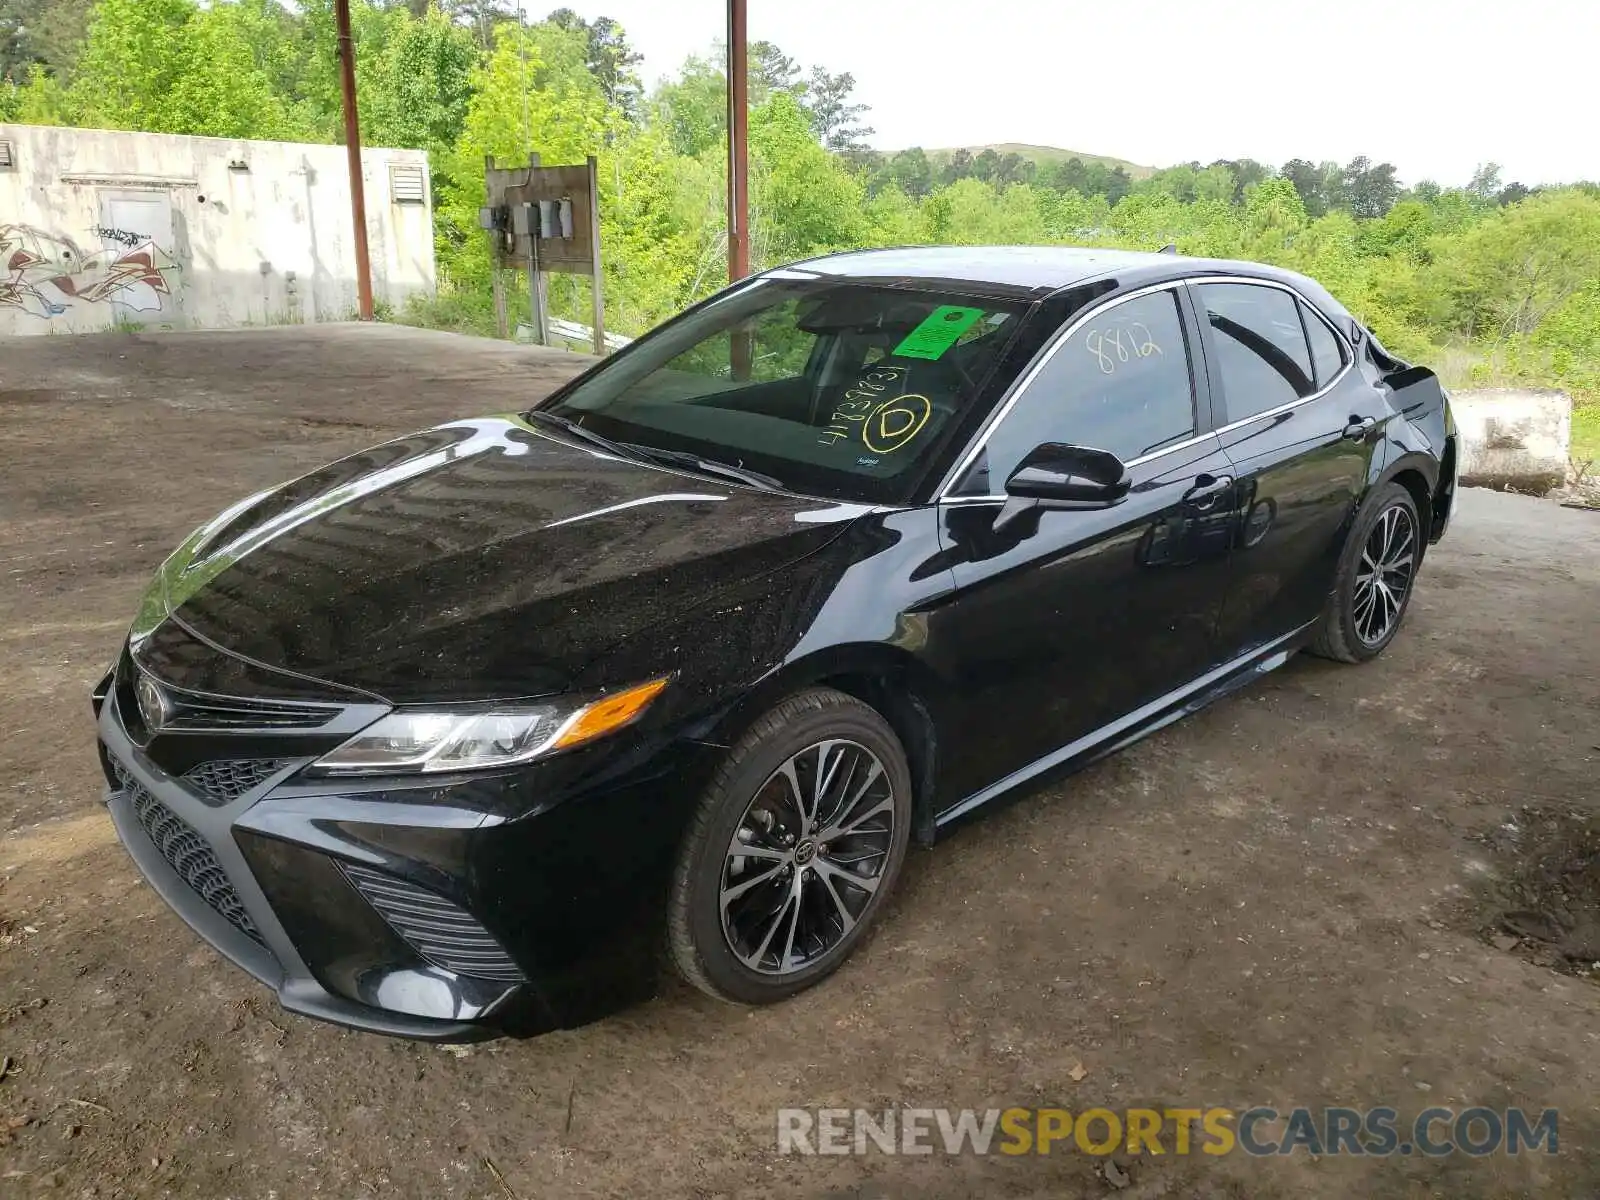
pixel 1327 355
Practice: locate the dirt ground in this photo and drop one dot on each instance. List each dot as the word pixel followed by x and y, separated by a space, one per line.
pixel 1355 886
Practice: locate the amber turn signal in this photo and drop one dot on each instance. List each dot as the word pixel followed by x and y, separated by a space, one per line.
pixel 608 715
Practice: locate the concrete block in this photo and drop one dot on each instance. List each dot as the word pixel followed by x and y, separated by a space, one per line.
pixel 1514 439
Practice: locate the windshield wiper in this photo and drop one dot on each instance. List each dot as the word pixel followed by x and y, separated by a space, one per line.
pixel 567 425
pixel 707 466
pixel 677 458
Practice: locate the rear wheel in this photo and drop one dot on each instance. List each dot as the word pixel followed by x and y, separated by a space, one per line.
pixel 792 852
pixel 1373 586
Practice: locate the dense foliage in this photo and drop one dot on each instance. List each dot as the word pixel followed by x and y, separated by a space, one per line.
pixel 1491 281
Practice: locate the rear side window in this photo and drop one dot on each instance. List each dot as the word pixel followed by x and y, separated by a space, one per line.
pixel 1260 345
pixel 1326 358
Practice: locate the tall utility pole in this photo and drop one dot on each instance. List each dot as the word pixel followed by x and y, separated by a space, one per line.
pixel 352 142
pixel 738 143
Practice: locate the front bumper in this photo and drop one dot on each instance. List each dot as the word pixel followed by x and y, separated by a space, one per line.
pixel 279 880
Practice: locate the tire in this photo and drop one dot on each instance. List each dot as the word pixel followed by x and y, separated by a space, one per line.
pixel 1349 630
pixel 757 797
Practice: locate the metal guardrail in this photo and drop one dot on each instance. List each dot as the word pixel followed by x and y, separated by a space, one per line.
pixel 570 331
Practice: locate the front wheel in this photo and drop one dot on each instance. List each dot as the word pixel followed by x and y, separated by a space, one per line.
pixel 1373 585
pixel 792 852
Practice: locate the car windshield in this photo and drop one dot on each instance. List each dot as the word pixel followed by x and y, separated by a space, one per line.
pixel 816 386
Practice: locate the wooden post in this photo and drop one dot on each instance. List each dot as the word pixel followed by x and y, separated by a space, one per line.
pixel 597 290
pixel 502 322
pixel 497 284
pixel 536 292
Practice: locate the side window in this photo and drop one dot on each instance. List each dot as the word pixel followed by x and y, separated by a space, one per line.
pixel 1327 359
pixel 1261 346
pixel 1121 383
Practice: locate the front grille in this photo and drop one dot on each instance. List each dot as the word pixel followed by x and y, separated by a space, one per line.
pixel 193 712
pixel 197 712
pixel 187 853
pixel 439 931
pixel 226 779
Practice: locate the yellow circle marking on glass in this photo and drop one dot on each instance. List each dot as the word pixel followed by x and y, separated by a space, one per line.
pixel 895 422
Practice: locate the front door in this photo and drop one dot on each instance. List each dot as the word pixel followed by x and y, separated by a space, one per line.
pixel 1064 620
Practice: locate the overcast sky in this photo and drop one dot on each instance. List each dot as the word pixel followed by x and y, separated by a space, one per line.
pixel 1434 86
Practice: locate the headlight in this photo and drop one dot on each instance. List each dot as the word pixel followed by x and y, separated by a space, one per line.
pixel 444 740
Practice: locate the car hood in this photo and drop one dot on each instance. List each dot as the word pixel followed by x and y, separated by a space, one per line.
pixel 483 559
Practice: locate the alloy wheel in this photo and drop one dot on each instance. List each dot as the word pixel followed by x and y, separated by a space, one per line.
pixel 806 858
pixel 1384 574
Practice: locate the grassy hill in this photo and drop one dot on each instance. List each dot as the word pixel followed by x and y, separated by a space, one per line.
pixel 1043 155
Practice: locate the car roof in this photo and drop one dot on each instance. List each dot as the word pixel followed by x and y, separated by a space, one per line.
pixel 1029 268
pixel 1031 272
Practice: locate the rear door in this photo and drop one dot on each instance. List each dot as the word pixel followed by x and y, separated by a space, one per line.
pixel 1065 620
pixel 1298 427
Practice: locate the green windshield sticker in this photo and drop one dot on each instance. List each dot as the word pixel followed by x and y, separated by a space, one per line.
pixel 939 330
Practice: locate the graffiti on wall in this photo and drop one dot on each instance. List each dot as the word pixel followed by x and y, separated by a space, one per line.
pixel 124 237
pixel 46 275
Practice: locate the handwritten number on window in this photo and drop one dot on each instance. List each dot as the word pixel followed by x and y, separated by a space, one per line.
pixel 1110 348
pixel 859 403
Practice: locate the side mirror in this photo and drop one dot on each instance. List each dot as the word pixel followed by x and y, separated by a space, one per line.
pixel 1070 477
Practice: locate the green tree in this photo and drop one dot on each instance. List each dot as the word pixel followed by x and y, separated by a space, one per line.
pixel 1405 230
pixel 135 54
pixel 1247 172
pixel 1512 270
pixel 959 166
pixel 911 172
pixel 1216 183
pixel 1513 193
pixel 894 218
pixel 1370 191
pixel 803 201
pixel 611 60
pixel 1485 184
pixel 421 85
pixel 168 66
pixel 1177 182
pixel 694 107
pixel 772 71
pixel 1309 184
pixel 42 35
pixel 835 120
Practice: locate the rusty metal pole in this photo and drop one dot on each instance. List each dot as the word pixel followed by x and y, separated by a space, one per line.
pixel 352 142
pixel 738 143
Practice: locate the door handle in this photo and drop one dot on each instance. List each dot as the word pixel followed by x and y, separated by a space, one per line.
pixel 1206 490
pixel 1359 427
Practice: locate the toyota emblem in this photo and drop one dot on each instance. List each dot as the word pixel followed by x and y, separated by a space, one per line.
pixel 154 706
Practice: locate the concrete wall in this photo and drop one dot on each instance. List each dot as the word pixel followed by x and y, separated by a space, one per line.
pixel 100 229
pixel 1514 438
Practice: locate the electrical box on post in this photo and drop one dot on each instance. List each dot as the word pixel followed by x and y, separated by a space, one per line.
pixel 551 222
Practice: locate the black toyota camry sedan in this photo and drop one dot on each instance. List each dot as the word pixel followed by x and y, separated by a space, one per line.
pixel 472 731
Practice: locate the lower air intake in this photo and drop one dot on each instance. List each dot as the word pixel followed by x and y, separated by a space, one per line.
pixel 440 932
pixel 188 855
